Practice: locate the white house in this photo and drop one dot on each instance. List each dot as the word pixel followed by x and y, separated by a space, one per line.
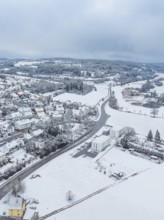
pixel 99 143
pixel 115 131
pixel 23 109
pixel 2 156
pixel 39 145
pixel 23 124
pixel 57 117
pixel 14 144
pixel 60 109
pixel 37 133
pixel 27 137
pixel 15 116
pixel 40 112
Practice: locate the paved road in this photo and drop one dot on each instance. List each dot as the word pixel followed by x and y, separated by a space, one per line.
pixel 5 218
pixel 5 188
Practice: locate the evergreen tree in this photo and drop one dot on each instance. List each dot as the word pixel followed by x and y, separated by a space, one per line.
pixel 157 137
pixel 150 136
pixel 124 142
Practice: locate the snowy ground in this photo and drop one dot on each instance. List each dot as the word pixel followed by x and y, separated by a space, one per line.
pixel 137 117
pixel 125 104
pixel 76 174
pixel 141 197
pixel 142 124
pixel 90 99
pixel 27 63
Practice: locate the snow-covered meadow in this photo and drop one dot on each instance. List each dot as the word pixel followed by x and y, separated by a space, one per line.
pixel 141 197
pixel 80 175
pixel 90 99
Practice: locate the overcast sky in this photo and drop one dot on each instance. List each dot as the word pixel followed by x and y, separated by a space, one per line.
pixel 102 29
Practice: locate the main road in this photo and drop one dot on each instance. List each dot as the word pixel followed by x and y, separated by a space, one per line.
pixel 5 187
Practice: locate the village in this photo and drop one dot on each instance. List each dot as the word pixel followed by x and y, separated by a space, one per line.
pixel 36 125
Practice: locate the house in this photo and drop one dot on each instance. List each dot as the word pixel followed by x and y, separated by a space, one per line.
pixel 49 109
pixel 15 116
pixel 99 143
pixel 39 145
pixel 17 207
pixel 56 116
pixel 23 124
pixel 24 109
pixel 40 112
pixel 37 133
pixel 14 144
pixel 26 112
pixel 27 137
pixel 2 156
pixel 60 109
pixel 115 133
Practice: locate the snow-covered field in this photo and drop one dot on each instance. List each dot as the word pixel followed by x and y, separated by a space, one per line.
pixel 142 124
pixel 91 98
pixel 139 198
pixel 76 174
pixel 126 104
pixel 28 63
pixel 137 117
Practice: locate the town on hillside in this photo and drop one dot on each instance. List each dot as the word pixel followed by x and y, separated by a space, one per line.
pixel 72 128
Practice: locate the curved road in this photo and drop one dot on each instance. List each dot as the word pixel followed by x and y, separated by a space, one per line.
pixel 5 188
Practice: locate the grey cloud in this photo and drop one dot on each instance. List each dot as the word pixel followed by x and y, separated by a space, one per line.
pixel 110 29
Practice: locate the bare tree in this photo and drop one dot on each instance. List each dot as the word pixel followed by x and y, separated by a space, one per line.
pixel 35 216
pixel 128 131
pixel 69 196
pixel 17 187
pixel 154 112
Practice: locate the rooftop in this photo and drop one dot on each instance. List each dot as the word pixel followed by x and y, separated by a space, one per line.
pixel 15 203
pixel 101 139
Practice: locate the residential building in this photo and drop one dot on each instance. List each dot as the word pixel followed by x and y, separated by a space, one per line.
pixel 17 207
pixel 99 143
pixel 40 112
pixel 23 124
pixel 37 133
pixel 60 109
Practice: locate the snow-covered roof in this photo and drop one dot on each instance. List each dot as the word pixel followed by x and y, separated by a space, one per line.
pixel 37 132
pixel 22 122
pixel 26 114
pixel 15 115
pixel 23 109
pixel 11 144
pixel 27 136
pixel 40 114
pixel 15 203
pixel 101 139
pixel 39 110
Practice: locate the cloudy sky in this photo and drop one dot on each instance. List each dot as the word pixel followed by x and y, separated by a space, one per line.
pixel 102 29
